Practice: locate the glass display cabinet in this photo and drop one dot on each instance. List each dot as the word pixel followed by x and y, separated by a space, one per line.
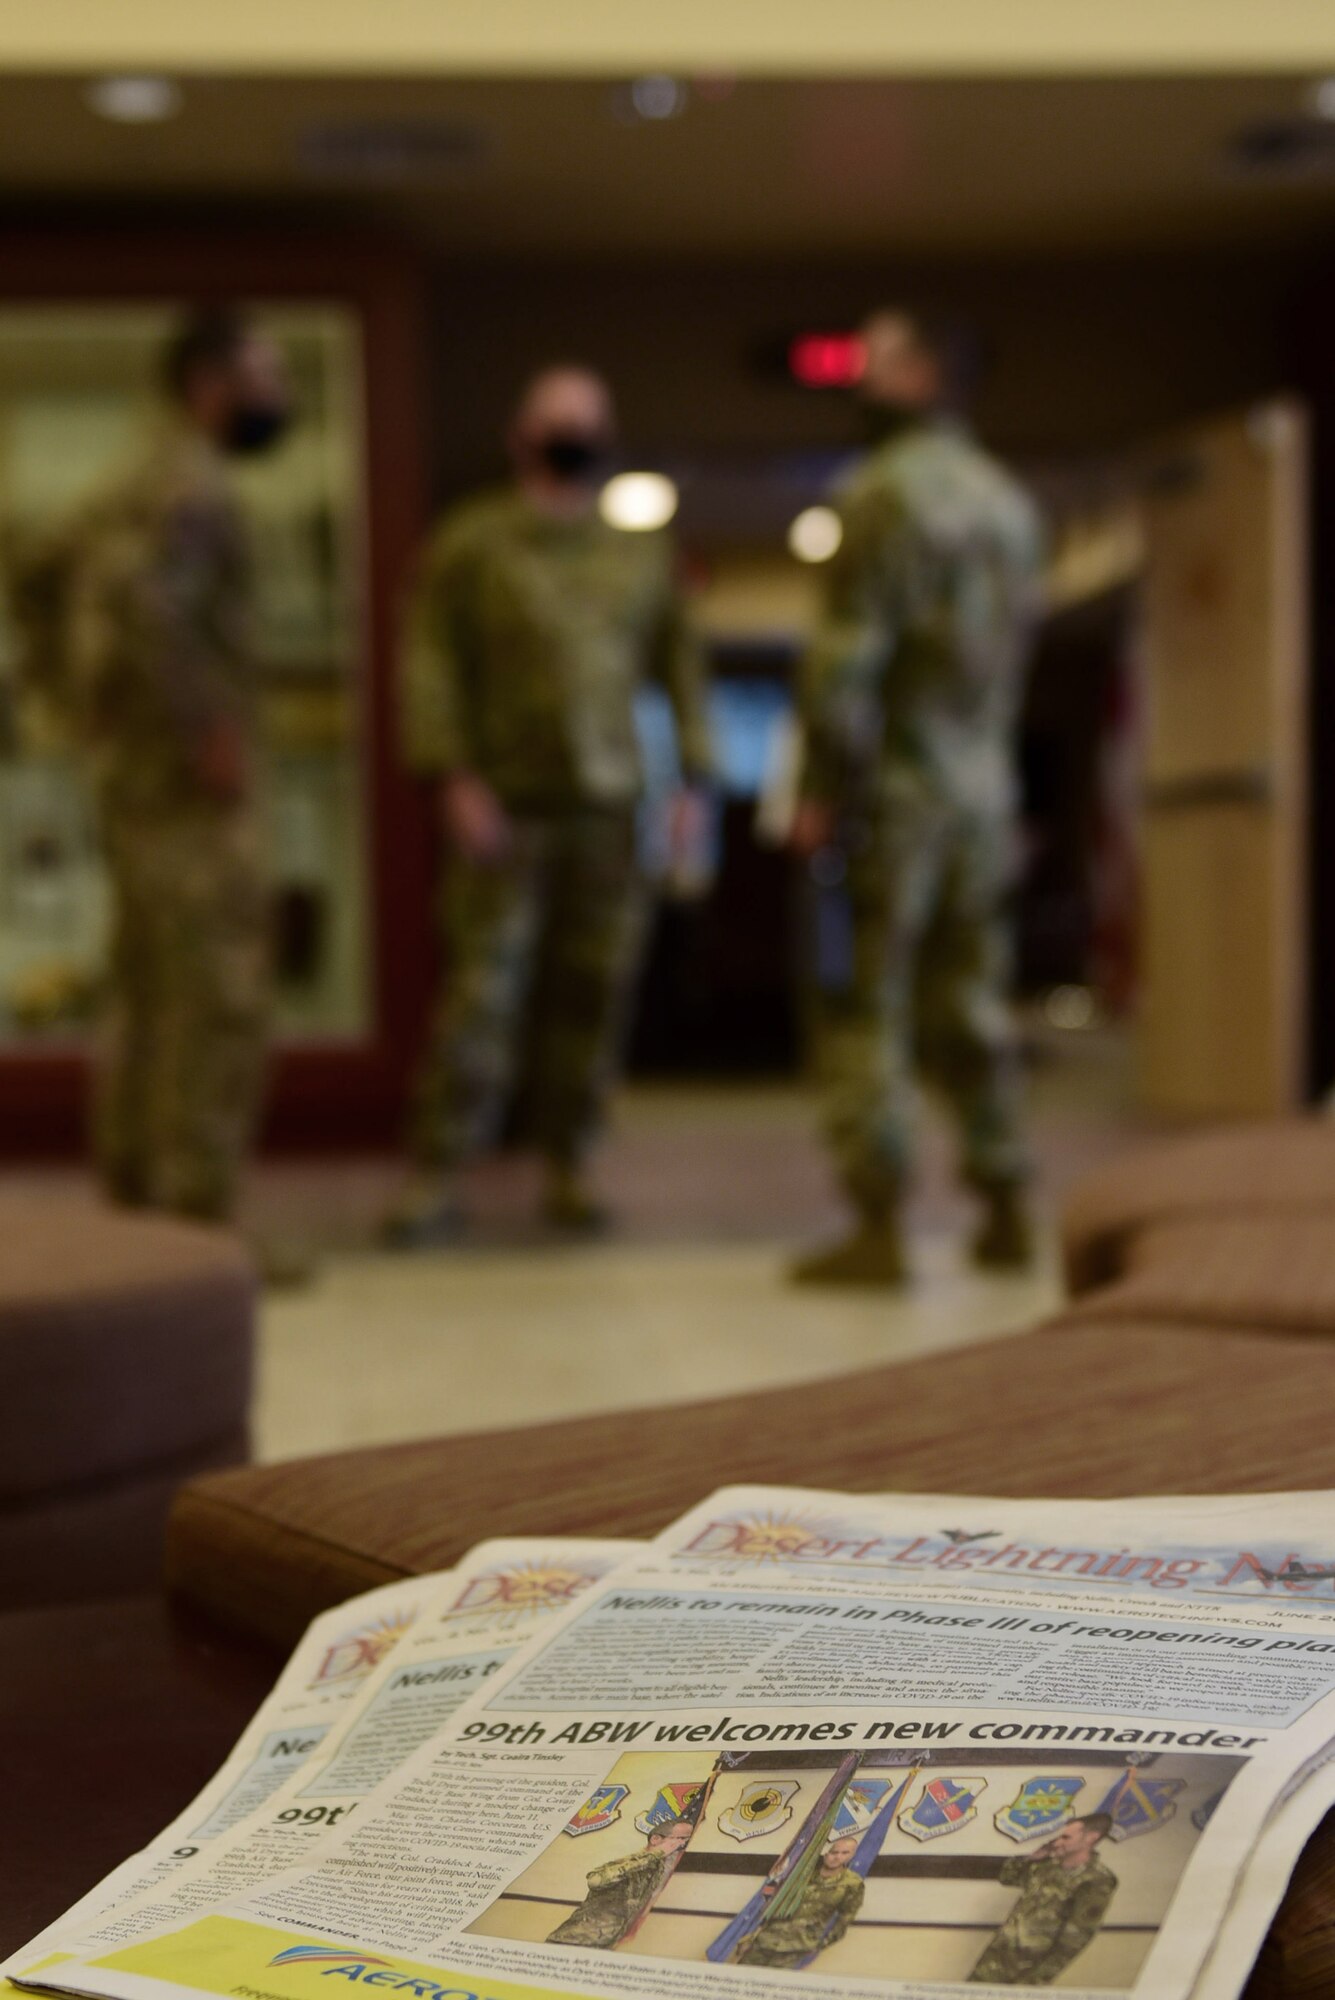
pixel 75 400
pixel 352 935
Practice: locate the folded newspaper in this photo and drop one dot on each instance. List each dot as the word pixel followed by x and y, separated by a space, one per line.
pixel 902 1745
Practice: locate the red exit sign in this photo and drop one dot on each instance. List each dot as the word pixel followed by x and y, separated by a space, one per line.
pixel 827 360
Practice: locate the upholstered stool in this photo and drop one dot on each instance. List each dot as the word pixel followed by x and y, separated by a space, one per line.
pixel 126 1346
pixel 1286 1167
pixel 1263 1273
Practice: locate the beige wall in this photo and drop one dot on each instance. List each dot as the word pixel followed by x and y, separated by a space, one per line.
pixel 752 35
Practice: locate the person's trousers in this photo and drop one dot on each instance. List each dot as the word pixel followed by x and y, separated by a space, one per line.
pixel 928 993
pixel 180 1083
pixel 541 953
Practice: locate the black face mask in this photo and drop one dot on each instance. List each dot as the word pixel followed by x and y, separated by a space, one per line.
pixel 255 427
pixel 577 457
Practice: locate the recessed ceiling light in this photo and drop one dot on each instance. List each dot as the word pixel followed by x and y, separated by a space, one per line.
pixel 1323 97
pixel 135 100
pixel 658 96
pixel 815 534
pixel 638 500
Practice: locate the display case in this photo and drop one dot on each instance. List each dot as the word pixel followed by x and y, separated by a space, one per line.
pixel 75 402
pixel 332 520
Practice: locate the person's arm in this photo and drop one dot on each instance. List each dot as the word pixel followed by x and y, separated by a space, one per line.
pixel 1015 1871
pixel 1080 1923
pixel 191 637
pixel 849 1905
pixel 677 662
pixel 436 663
pixel 843 671
pixel 435 727
pixel 1034 572
pixel 624 1870
pixel 1029 592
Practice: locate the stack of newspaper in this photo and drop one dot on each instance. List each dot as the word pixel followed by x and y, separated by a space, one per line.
pixel 899 1745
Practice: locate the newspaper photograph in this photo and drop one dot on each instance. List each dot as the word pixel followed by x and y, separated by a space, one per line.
pixel 908 1743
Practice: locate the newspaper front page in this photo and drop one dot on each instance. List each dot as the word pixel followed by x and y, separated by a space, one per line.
pixel 911 1744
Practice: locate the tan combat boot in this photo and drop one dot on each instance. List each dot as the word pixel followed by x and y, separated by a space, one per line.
pixel 283 1264
pixel 873 1254
pixel 427 1215
pixel 569 1202
pixel 1006 1240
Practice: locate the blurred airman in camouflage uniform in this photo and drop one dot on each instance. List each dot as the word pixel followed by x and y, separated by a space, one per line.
pixel 911 695
pixel 159 683
pixel 1065 1893
pixel 828 1907
pixel 532 625
pixel 621 1891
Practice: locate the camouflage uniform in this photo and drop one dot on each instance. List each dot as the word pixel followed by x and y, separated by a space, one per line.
pixel 911 691
pixel 830 1903
pixel 619 1893
pixel 528 638
pixel 1053 1919
pixel 157 654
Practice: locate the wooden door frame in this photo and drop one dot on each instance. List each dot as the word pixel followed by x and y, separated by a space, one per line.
pixel 1275 432
pixel 322 1093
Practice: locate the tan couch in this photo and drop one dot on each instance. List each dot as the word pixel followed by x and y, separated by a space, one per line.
pixel 1266 1273
pixel 1225 1175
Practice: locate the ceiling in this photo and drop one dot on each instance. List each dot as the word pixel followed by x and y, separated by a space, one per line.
pixel 823 168
pixel 759 37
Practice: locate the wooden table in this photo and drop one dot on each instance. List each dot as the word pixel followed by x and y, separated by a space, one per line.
pixel 114 1714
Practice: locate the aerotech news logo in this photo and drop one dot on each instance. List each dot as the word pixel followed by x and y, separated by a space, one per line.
pixel 326 1957
pixel 332 1963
